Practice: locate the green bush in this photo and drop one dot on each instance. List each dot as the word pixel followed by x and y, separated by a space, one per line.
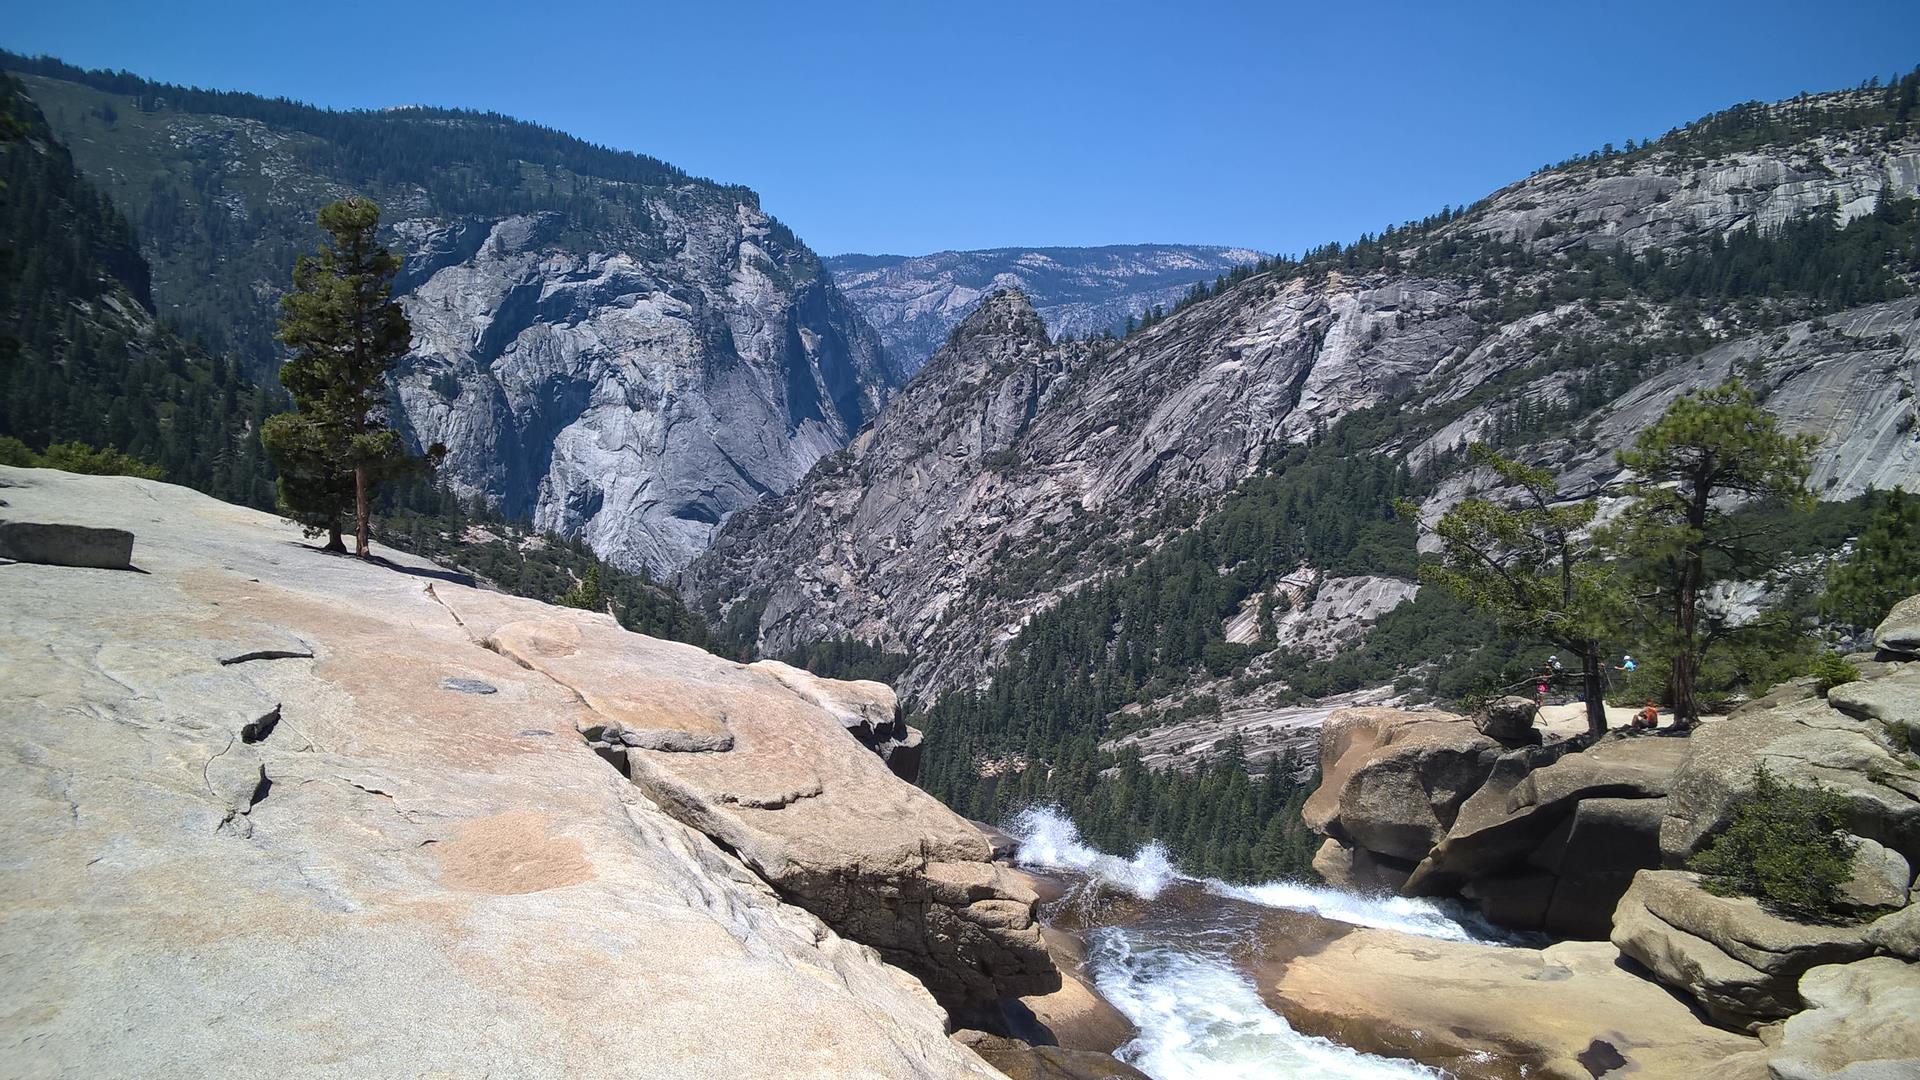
pixel 1785 848
pixel 76 457
pixel 1830 669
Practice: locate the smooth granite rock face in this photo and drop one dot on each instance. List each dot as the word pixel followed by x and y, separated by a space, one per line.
pixel 329 864
pixel 1858 1024
pixel 631 390
pixel 1899 632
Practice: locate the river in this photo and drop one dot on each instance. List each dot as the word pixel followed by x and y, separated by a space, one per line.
pixel 1170 952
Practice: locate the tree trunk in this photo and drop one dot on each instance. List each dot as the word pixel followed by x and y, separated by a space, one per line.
pixel 1685 712
pixel 1591 684
pixel 333 538
pixel 360 515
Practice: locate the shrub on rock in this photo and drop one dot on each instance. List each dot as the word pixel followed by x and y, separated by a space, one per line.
pixel 1786 847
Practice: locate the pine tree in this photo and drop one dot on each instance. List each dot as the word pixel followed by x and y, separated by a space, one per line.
pixel 1707 446
pixel 1533 567
pixel 1883 569
pixel 345 332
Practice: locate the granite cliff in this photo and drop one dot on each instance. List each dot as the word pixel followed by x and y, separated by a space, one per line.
pixel 606 345
pixel 1014 469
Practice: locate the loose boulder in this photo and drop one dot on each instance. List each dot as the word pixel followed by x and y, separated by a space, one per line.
pixel 66 545
pixel 1509 720
pixel 1899 632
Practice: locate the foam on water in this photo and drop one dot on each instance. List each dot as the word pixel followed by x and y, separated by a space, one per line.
pixel 1049 841
pixel 1201 1020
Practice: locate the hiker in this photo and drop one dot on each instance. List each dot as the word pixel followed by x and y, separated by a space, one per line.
pixel 1540 691
pixel 1647 719
pixel 1626 664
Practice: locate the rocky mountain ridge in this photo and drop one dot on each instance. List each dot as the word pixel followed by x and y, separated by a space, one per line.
pixel 606 346
pixel 914 302
pixel 1016 468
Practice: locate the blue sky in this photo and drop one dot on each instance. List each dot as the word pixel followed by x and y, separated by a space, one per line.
pixel 908 127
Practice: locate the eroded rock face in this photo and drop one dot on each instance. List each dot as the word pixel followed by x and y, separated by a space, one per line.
pixel 1739 961
pixel 631 390
pixel 249 784
pixel 1393 781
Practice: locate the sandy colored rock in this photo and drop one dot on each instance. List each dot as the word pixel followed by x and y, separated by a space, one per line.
pixel 1356 869
pixel 1858 1024
pixel 427 882
pixel 1898 933
pixel 1738 960
pixel 1568 1011
pixel 1392 780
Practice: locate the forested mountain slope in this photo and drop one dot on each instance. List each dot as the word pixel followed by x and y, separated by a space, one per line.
pixel 82 358
pixel 607 346
pixel 1554 316
pixel 916 301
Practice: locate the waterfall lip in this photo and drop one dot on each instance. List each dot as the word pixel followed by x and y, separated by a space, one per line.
pixel 1049 840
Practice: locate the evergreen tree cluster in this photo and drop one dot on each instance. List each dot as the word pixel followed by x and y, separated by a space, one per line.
pixel 81 359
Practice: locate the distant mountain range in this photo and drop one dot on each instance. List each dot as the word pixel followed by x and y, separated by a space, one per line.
pixel 915 301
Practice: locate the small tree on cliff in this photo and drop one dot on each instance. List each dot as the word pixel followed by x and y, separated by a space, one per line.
pixel 345 332
pixel 1534 567
pixel 1708 452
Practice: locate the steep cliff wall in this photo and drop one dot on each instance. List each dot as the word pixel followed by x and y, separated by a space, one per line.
pixel 605 344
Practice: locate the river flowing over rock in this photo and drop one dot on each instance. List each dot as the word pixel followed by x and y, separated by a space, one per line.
pixel 276 812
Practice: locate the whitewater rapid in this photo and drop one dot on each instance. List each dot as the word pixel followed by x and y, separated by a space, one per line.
pixel 1199 1017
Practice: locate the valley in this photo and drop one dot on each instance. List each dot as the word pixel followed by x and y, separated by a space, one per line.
pixel 1065 662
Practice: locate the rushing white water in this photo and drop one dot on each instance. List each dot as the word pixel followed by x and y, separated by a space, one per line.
pixel 1201 1020
pixel 1170 969
pixel 1048 840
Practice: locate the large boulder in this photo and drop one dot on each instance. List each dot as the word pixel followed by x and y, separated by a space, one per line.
pixel 1508 720
pixel 231 857
pixel 1879 878
pixel 1553 838
pixel 1898 933
pixel 56 544
pixel 1899 632
pixel 1740 962
pixel 1858 1024
pixel 1392 781
pixel 1892 701
pixel 1571 1011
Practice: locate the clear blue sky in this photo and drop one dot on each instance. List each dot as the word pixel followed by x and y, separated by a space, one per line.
pixel 908 127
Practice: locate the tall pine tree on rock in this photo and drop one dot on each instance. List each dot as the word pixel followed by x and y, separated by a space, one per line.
pixel 1709 453
pixel 345 331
